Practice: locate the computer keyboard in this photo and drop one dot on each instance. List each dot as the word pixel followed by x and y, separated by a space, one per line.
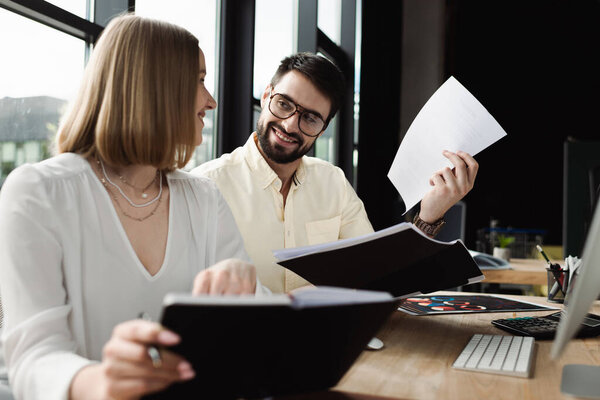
pixel 545 327
pixel 498 354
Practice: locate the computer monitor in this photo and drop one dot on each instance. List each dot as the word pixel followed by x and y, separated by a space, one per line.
pixel 581 379
pixel 581 190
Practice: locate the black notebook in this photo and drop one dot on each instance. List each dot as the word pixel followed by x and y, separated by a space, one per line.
pixel 255 347
pixel 400 260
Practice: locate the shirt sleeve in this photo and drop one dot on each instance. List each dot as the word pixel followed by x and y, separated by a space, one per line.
pixel 354 219
pixel 38 345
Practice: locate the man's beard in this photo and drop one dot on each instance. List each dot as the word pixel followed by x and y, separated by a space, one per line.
pixel 276 152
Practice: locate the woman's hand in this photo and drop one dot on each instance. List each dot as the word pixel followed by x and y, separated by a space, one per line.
pixel 449 186
pixel 229 277
pixel 126 370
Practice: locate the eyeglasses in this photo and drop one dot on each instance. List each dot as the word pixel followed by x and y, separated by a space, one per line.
pixel 310 123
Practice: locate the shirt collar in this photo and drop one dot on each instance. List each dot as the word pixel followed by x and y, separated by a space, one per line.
pixel 300 172
pixel 259 165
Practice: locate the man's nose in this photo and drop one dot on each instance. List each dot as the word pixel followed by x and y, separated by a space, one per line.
pixel 291 123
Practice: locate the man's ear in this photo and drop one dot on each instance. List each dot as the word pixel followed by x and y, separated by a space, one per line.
pixel 265 96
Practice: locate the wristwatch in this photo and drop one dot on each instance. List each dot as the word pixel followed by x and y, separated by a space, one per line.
pixel 429 229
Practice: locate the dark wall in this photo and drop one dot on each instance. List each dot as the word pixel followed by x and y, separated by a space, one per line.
pixel 379 122
pixel 535 65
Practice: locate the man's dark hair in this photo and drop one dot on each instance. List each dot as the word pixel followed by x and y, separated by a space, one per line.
pixel 324 74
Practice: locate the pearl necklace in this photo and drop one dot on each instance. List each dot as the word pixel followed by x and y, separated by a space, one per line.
pixel 154 200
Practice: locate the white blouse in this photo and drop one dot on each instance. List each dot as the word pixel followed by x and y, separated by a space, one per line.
pixel 68 273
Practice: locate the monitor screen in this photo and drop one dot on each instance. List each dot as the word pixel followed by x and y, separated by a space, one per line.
pixel 584 290
pixel 581 189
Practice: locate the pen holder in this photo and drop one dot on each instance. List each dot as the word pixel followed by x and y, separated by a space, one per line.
pixel 556 292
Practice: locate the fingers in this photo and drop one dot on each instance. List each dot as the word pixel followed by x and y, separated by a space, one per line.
pixel 228 277
pixel 449 186
pixel 122 369
pixel 122 350
pixel 465 170
pixel 436 180
pixel 129 344
pixel 202 283
pixel 145 332
pixel 212 281
pixel 451 183
pixel 126 365
pixel 472 165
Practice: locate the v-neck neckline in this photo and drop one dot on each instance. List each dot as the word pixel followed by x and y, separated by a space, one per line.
pixel 123 233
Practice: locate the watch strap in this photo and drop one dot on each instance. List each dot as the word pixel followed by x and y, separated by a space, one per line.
pixel 429 229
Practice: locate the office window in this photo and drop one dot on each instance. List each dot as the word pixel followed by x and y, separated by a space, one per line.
pixel 329 19
pixel 325 146
pixel 273 39
pixel 40 73
pixel 255 115
pixel 200 18
pixel 77 7
pixel 357 65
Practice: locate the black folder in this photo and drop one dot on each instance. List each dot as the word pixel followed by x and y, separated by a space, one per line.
pixel 257 347
pixel 400 260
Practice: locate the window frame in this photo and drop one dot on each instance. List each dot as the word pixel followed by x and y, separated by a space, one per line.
pixel 55 17
pixel 235 59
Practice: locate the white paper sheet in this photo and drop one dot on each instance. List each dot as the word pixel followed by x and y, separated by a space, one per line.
pixel 452 119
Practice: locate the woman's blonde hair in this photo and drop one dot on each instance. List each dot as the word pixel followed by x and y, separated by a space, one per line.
pixel 136 104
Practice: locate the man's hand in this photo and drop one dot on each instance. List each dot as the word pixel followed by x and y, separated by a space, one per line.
pixel 449 186
pixel 229 277
pixel 126 370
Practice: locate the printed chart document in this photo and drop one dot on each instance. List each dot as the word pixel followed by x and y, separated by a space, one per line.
pixel 400 260
pixel 465 304
pixel 254 347
pixel 452 119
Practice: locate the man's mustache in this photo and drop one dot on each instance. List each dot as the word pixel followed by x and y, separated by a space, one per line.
pixel 293 135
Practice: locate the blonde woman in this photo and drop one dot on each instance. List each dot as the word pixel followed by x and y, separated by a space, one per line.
pixel 102 231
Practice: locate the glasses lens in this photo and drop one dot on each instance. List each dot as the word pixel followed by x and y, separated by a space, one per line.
pixel 281 107
pixel 311 124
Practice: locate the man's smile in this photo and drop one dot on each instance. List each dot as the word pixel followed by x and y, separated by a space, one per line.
pixel 283 136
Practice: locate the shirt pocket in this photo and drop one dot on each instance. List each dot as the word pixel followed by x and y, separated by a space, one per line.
pixel 323 231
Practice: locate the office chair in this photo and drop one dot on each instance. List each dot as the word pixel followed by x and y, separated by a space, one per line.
pixel 455 223
pixel 455 227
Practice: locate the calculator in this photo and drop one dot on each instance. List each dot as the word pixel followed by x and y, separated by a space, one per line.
pixel 545 327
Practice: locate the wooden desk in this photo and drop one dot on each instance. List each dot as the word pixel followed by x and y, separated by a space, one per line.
pixel 525 271
pixel 419 352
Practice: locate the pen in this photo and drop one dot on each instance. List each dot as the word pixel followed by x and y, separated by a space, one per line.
pixel 543 253
pixel 556 271
pixel 152 351
pixel 554 290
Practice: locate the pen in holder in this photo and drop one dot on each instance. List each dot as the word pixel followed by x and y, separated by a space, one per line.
pixel 557 283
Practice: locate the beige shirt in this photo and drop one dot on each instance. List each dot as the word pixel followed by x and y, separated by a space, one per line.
pixel 321 206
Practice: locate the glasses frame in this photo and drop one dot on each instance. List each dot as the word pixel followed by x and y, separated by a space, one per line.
pixel 299 109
